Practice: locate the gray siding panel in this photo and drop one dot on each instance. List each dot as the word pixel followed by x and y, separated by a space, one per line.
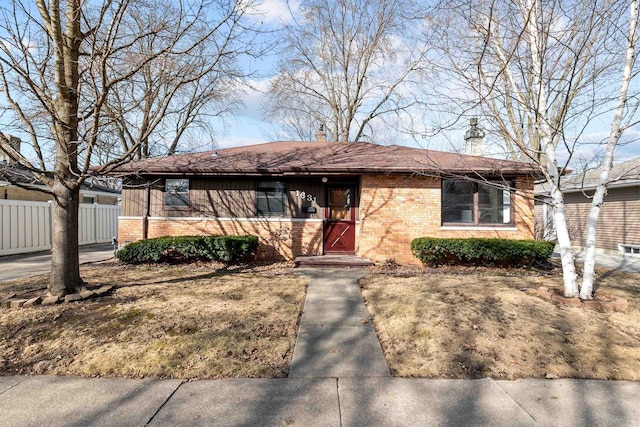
pixel 133 198
pixel 619 220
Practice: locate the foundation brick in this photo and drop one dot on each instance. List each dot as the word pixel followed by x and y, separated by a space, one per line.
pixel 280 239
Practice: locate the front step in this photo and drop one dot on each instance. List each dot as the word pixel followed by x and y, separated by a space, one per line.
pixel 332 261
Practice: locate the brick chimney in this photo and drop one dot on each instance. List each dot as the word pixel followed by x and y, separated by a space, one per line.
pixel 474 139
pixel 321 134
pixel 12 142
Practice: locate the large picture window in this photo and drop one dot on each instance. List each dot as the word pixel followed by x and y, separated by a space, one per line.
pixel 471 203
pixel 176 193
pixel 270 198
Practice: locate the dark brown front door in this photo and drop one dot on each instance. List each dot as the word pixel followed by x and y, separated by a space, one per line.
pixel 340 222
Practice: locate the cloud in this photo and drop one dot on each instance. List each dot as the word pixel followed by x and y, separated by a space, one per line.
pixel 237 141
pixel 253 98
pixel 277 12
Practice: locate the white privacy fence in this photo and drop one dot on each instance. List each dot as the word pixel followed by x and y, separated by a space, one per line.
pixel 27 226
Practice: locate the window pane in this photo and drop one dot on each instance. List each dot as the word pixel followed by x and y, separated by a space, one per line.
pixel 340 196
pixel 494 205
pixel 457 202
pixel 340 204
pixel 177 185
pixel 176 199
pixel 176 193
pixel 340 212
pixel 270 198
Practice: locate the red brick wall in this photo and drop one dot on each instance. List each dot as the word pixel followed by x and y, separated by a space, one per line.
pixel 396 209
pixel 278 239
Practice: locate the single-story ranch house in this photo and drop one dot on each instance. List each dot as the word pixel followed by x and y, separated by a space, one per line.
pixel 315 198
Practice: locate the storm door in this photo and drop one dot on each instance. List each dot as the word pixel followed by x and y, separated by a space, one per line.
pixel 340 221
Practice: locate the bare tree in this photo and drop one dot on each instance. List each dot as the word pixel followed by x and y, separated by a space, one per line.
pixel 349 64
pixel 81 78
pixel 177 93
pixel 541 72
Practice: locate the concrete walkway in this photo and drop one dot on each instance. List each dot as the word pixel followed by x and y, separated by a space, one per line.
pixel 336 338
pixel 24 265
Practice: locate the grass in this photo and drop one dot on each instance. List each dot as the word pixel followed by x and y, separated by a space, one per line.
pixel 167 322
pixel 449 325
pixel 200 321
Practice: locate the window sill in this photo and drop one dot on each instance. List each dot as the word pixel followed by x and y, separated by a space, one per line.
pixel 176 208
pixel 480 227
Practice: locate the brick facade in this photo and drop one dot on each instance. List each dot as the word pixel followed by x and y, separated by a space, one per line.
pixel 396 209
pixel 279 238
pixel 393 210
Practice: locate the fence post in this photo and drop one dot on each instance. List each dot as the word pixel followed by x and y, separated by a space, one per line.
pixel 95 221
pixel 50 222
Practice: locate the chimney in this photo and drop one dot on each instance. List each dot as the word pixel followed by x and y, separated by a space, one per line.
pixel 12 142
pixel 321 135
pixel 473 139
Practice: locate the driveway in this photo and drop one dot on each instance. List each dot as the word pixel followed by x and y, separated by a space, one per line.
pixel 617 262
pixel 24 265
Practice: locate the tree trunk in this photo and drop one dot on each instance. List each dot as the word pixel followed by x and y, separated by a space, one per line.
pixel 65 263
pixel 588 269
pixel 569 275
pixel 586 292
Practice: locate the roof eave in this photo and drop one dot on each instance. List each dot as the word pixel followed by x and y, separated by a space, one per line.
pixel 337 171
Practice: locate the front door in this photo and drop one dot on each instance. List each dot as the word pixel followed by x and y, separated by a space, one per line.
pixel 340 222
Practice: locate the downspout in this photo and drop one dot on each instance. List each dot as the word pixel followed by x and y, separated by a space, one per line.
pixel 147 210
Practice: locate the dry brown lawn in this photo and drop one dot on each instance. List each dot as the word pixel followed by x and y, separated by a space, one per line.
pixel 485 324
pixel 163 322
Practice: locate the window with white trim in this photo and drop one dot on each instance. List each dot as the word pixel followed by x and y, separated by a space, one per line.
pixel 176 193
pixel 476 204
pixel 629 249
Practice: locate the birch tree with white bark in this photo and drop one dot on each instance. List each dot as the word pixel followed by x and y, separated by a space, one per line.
pixel 540 72
pixel 75 73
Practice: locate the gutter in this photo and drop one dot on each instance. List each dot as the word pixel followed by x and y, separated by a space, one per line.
pixel 627 184
pixel 147 211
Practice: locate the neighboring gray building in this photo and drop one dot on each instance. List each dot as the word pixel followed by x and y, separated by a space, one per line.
pixel 619 221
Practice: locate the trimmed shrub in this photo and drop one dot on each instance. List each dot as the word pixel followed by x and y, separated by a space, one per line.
pixel 435 251
pixel 227 249
pixel 230 249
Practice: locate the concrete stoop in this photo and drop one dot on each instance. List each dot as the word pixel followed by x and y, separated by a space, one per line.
pixel 332 261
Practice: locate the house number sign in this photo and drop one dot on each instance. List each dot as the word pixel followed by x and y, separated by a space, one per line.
pixel 306 196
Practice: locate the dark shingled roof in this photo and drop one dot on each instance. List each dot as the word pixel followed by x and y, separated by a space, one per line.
pixel 16 174
pixel 306 158
pixel 622 174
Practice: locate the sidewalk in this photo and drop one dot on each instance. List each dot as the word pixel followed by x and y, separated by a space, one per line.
pixel 65 401
pixel 24 265
pixel 338 377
